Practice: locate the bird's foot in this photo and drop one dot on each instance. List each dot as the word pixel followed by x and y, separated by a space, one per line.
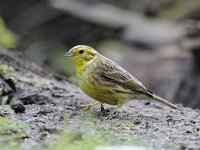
pixel 111 115
pixel 104 112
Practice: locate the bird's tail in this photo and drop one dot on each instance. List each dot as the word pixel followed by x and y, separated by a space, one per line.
pixel 165 102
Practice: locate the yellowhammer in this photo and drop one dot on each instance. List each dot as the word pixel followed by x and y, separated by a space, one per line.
pixel 107 82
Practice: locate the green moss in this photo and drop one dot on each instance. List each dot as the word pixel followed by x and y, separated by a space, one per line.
pixel 1 92
pixel 78 141
pixel 90 115
pixel 6 69
pixel 9 124
pixel 10 131
pixel 43 86
pixel 7 38
pixel 3 100
pixel 11 146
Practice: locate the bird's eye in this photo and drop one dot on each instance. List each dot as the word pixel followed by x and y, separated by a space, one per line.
pixel 81 51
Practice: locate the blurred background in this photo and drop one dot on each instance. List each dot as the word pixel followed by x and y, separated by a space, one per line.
pixel 158 41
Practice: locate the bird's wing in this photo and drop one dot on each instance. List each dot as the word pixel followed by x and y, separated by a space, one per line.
pixel 111 71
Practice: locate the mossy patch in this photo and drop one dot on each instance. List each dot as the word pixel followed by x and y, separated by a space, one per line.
pixel 44 85
pixel 6 69
pixel 3 99
pixel 10 132
pixel 78 141
pixel 7 38
pixel 1 92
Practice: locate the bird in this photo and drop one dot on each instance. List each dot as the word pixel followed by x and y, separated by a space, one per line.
pixel 107 82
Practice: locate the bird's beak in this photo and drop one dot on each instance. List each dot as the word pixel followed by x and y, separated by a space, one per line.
pixel 69 53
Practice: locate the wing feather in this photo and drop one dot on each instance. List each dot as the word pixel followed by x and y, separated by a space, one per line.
pixel 111 71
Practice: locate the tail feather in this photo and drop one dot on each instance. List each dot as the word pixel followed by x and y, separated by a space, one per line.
pixel 165 102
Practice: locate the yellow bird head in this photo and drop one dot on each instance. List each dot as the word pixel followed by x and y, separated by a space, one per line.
pixel 82 55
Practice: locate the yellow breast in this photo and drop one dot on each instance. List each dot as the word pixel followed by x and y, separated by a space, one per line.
pixel 99 92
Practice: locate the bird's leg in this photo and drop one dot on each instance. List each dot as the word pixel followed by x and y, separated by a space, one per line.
pixel 89 105
pixel 102 108
pixel 104 112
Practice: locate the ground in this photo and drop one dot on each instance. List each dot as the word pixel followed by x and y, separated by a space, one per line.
pixel 53 120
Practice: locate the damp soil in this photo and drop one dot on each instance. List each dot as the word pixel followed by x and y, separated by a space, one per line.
pixel 52 107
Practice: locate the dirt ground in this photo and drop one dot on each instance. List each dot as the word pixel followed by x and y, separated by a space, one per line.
pixel 52 107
